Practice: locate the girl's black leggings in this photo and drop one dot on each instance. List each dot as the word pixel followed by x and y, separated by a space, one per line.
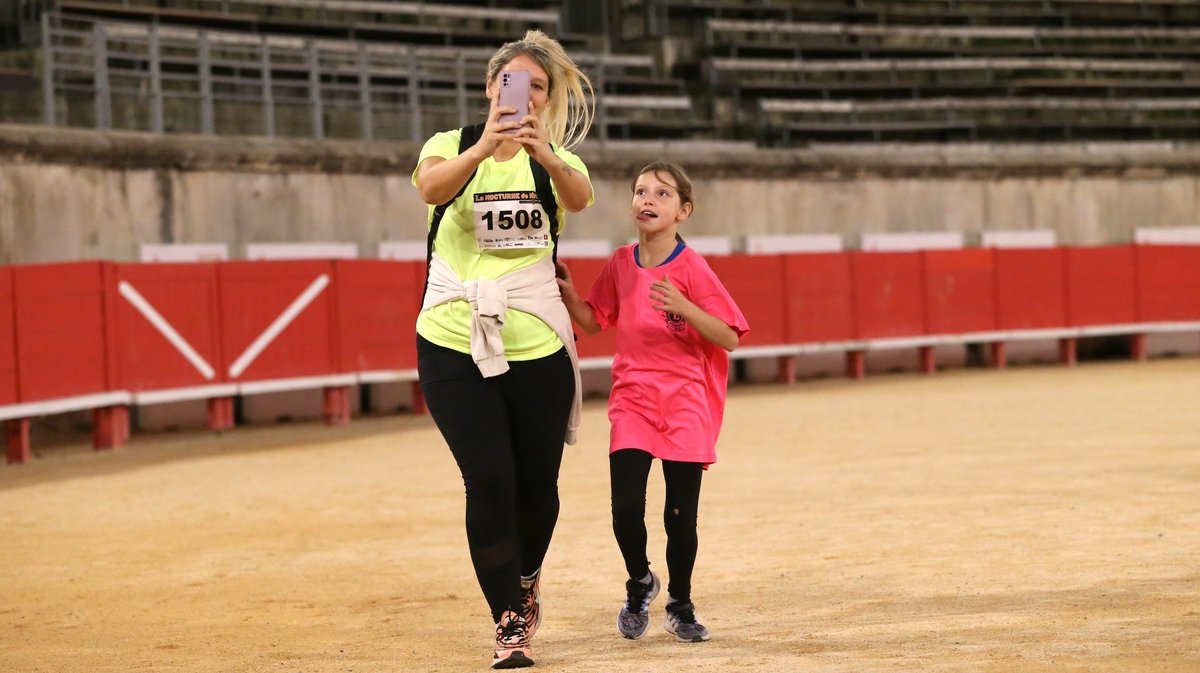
pixel 629 470
pixel 506 433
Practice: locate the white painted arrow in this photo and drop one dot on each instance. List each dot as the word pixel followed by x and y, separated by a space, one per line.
pixel 289 314
pixel 139 302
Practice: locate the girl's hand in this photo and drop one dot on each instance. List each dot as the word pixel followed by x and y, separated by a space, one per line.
pixel 565 285
pixel 664 296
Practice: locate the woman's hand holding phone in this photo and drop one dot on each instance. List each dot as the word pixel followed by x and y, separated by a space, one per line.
pixel 514 94
pixel 510 118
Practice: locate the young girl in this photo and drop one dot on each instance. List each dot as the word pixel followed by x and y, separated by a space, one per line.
pixel 674 322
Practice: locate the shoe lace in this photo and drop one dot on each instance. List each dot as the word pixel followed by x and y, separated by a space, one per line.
pixel 685 613
pixel 513 631
pixel 636 593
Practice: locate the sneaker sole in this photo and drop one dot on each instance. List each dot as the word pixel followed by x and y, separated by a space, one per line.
pixel 514 660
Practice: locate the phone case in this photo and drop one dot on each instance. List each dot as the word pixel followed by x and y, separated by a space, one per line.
pixel 514 92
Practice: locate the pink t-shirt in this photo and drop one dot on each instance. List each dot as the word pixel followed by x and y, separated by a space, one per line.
pixel 669 383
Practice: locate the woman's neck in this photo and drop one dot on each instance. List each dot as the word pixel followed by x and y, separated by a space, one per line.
pixel 654 249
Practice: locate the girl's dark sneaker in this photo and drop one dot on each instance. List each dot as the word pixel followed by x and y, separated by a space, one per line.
pixel 634 618
pixel 681 621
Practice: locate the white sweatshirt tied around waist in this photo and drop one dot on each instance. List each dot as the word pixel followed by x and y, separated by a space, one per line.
pixel 531 289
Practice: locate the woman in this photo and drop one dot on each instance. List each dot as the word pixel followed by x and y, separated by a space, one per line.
pixel 496 355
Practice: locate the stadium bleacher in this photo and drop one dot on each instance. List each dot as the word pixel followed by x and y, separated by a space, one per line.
pixel 775 72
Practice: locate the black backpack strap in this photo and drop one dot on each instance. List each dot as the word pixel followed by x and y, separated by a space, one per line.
pixel 470 136
pixel 545 192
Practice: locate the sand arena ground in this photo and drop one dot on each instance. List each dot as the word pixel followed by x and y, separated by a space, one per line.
pixel 1033 519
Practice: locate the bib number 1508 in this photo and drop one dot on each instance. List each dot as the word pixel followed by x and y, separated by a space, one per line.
pixel 507 219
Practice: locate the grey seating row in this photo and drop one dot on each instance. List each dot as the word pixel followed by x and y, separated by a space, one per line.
pixel 180 78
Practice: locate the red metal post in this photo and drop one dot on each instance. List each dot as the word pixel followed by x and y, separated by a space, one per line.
pixel 220 413
pixel 110 427
pixel 856 364
pixel 787 369
pixel 1137 347
pixel 16 438
pixel 997 355
pixel 1067 351
pixel 928 359
pixel 337 405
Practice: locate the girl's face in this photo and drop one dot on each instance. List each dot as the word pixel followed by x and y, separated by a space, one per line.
pixel 656 205
pixel 539 83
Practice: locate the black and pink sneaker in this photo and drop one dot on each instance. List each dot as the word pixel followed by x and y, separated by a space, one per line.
pixel 512 642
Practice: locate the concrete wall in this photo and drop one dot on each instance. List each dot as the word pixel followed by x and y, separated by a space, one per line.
pixel 68 194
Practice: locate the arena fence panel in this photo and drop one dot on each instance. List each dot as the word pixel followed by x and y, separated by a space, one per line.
pixel 8 339
pixel 101 336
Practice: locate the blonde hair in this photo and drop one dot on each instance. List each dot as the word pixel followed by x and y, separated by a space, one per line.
pixel 569 110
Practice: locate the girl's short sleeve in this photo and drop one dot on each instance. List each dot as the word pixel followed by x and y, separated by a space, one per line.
pixel 710 294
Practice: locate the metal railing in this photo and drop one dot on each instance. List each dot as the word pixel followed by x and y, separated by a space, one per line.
pixel 111 74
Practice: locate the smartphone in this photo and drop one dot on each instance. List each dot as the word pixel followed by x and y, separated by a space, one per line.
pixel 514 93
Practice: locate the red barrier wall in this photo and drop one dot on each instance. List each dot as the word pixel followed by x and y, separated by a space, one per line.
pixel 889 294
pixel 583 274
pixel 1101 286
pixel 1031 288
pixel 960 292
pixel 820 297
pixel 62 329
pixel 73 329
pixel 756 283
pixel 378 302
pixel 8 339
pixel 1168 283
pixel 254 295
pixel 185 297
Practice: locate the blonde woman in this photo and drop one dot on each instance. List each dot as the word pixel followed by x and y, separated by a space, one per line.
pixel 496 354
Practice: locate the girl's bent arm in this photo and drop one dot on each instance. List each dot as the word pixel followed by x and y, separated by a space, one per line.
pixel 581 311
pixel 712 328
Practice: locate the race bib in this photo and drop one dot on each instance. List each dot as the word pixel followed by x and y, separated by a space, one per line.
pixel 509 220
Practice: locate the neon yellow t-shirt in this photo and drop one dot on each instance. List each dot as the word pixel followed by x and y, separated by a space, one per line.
pixel 464 242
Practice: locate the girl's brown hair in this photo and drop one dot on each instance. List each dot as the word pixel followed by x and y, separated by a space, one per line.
pixel 683 184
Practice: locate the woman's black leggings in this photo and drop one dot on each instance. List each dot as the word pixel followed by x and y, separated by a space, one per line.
pixel 629 470
pixel 506 433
